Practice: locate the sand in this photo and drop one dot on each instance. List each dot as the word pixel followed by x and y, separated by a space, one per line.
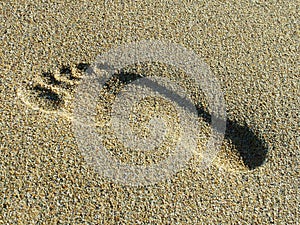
pixel 251 47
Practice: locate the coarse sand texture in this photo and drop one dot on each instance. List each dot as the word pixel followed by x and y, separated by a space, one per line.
pixel 50 174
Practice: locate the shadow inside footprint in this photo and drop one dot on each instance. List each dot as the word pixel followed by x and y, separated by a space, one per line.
pixel 82 66
pixel 50 99
pixel 251 148
pixel 50 78
pixel 67 71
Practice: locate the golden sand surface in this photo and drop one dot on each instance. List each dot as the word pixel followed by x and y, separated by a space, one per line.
pixel 252 47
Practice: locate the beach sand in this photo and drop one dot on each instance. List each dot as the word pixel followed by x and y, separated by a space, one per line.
pixel 251 47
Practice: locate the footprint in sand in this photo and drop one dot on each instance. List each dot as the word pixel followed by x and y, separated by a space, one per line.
pixel 242 149
pixel 52 91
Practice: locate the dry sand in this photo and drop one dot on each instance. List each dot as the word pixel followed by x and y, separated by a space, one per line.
pixel 252 47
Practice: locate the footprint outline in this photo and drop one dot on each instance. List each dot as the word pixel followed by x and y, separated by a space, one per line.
pixel 56 83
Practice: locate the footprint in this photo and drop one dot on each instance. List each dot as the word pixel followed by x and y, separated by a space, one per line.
pixel 52 91
pixel 243 149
